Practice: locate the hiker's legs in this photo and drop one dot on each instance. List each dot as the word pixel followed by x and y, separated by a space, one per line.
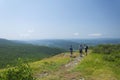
pixel 86 52
pixel 80 53
pixel 71 53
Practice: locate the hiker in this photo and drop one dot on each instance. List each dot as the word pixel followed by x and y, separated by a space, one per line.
pixel 81 50
pixel 86 49
pixel 71 51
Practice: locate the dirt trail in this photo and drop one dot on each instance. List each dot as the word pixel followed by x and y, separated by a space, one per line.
pixel 73 63
pixel 63 71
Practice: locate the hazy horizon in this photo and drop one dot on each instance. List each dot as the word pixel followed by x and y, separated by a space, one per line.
pixel 63 39
pixel 59 19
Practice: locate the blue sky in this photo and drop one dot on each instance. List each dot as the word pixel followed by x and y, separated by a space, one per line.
pixel 59 19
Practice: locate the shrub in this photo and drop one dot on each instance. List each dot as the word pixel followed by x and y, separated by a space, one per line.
pixel 110 52
pixel 21 72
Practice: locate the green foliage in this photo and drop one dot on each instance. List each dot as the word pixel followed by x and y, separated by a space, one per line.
pixel 21 72
pixel 50 64
pixel 110 53
pixel 10 53
pixel 107 49
pixel 94 67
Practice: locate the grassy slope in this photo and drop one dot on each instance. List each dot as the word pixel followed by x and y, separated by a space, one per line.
pixel 91 67
pixel 50 65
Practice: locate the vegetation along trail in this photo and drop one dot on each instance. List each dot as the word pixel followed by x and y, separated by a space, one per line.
pixel 63 72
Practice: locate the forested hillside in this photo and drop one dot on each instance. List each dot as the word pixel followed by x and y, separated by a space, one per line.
pixel 11 51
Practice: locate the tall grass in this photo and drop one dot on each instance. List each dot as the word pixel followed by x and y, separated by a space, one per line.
pixel 93 67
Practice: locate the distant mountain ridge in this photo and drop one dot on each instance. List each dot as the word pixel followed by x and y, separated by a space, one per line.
pixel 60 43
pixel 11 42
pixel 5 41
pixel 65 44
pixel 94 42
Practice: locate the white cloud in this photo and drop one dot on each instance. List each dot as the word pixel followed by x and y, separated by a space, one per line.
pixel 76 34
pixel 95 34
pixel 27 34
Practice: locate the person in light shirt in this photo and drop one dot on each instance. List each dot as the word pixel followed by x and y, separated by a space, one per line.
pixel 81 50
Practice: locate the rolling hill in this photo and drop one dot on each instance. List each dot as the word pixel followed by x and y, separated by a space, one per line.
pixel 10 51
pixel 64 44
pixel 6 42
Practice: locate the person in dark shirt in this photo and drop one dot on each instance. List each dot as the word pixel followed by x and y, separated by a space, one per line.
pixel 71 51
pixel 86 49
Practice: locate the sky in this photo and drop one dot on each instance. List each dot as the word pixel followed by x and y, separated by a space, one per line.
pixel 59 19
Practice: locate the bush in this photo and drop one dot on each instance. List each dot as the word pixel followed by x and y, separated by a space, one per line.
pixel 110 52
pixel 109 58
pixel 21 72
pixel 106 49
